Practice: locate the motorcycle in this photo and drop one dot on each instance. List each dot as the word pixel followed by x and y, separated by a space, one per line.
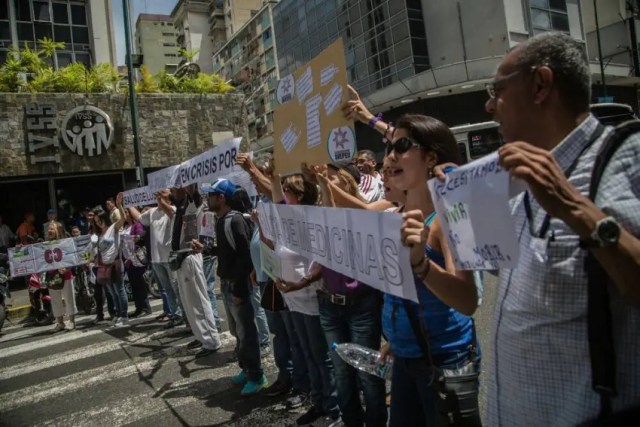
pixel 40 300
pixel 84 289
pixel 150 281
pixel 4 286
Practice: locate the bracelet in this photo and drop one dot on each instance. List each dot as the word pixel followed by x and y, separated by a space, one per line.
pixel 374 120
pixel 423 268
pixel 385 139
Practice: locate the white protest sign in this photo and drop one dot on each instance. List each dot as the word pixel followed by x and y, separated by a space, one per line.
pixel 271 264
pixel 164 178
pixel 210 165
pixel 364 245
pixel 208 225
pixel 142 196
pixel 473 207
pixel 50 255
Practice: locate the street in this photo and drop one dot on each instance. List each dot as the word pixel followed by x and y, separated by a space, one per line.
pixel 137 376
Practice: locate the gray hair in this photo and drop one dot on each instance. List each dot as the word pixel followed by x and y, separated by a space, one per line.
pixel 568 60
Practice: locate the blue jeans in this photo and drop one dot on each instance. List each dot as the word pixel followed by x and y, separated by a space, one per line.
pixel 163 293
pixel 287 350
pixel 413 399
pixel 324 396
pixel 358 323
pixel 208 264
pixel 242 325
pixel 119 296
pixel 261 317
pixel 164 276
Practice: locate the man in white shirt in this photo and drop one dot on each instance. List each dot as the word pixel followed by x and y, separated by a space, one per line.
pixel 370 185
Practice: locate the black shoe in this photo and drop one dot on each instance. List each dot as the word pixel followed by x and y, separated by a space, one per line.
pixel 147 312
pixel 98 319
pixel 310 416
pixel 204 352
pixel 173 323
pixel 194 344
pixel 135 313
pixel 277 388
pixel 297 399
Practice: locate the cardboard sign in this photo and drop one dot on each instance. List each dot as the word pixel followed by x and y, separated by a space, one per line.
pixel 309 124
pixel 364 245
pixel 142 196
pixel 473 207
pixel 50 255
pixel 271 264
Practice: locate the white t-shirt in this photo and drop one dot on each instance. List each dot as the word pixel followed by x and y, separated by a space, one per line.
pixel 294 268
pixel 160 229
pixel 371 188
pixel 109 245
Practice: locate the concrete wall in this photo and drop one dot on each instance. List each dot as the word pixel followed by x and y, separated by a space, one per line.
pixel 173 128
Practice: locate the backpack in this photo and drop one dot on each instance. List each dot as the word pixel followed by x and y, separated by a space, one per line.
pixel 227 226
pixel 599 323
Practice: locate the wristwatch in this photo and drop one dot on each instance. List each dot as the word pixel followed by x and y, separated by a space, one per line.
pixel 606 234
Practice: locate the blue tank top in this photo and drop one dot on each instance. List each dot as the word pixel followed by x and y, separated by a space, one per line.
pixel 448 330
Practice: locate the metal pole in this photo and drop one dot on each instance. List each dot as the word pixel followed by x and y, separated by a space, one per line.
pixel 133 106
pixel 604 84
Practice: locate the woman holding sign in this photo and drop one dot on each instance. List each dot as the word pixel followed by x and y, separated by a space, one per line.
pixel 60 285
pixel 433 342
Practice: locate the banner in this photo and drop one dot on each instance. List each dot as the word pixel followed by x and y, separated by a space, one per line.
pixel 364 245
pixel 142 196
pixel 50 255
pixel 271 264
pixel 210 165
pixel 309 125
pixel 164 178
pixel 473 207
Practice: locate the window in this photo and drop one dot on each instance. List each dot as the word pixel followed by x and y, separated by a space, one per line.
pixel 80 35
pixel 168 34
pixel 64 59
pixel 549 15
pixel 60 13
pixel 4 10
pixel 42 30
pixel 84 58
pixel 169 44
pixel 78 15
pixel 5 31
pixel 41 11
pixel 23 12
pixel 25 32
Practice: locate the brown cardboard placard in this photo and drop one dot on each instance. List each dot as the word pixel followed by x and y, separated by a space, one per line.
pixel 309 123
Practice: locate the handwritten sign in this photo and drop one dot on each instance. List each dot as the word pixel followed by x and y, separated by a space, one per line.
pixel 211 164
pixel 473 207
pixel 164 178
pixel 364 245
pixel 313 114
pixel 50 255
pixel 271 264
pixel 142 196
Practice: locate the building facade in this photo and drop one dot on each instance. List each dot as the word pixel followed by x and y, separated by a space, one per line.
pixel 156 40
pixel 191 21
pixel 248 59
pixel 86 28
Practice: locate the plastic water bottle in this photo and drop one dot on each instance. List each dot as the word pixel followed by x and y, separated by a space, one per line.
pixel 364 359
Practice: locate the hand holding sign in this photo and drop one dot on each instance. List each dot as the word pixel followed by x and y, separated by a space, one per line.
pixel 414 235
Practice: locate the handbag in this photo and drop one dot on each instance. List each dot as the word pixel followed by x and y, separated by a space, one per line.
pixel 272 299
pixel 104 274
pixel 456 390
pixel 140 252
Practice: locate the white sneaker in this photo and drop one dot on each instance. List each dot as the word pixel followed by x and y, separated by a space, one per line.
pixel 122 321
pixel 71 326
pixel 58 327
pixel 115 320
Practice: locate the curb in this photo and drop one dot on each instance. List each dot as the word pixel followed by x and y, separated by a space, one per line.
pixel 18 312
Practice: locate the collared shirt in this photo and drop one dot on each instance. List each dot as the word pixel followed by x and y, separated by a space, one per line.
pixel 540 373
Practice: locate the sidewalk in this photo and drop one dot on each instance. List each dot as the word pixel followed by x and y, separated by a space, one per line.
pixel 18 305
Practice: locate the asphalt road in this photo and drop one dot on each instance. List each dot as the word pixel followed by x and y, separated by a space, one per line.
pixel 137 376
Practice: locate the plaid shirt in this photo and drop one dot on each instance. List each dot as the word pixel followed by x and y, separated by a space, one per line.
pixel 540 374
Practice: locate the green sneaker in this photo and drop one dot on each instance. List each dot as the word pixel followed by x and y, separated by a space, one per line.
pixel 239 379
pixel 254 387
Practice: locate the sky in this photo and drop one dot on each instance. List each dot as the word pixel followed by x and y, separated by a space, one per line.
pixel 163 7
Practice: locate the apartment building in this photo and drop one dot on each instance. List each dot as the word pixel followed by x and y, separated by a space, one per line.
pixel 156 39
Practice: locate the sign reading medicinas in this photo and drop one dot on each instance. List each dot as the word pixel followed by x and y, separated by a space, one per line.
pixel 364 245
pixel 473 207
pixel 309 124
pixel 50 255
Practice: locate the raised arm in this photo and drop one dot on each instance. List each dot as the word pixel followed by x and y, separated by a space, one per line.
pixel 260 180
pixel 354 109
pixel 121 220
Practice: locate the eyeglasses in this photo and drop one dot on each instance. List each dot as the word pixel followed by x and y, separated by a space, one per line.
pixel 494 87
pixel 401 146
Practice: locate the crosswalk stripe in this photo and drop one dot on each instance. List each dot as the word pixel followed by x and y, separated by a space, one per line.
pixel 86 352
pixel 59 338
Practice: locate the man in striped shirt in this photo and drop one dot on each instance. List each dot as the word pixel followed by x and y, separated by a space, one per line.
pixel 370 184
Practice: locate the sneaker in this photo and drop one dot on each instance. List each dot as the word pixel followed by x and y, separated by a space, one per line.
pixel 71 326
pixel 114 320
pixel 254 387
pixel 98 319
pixel 297 399
pixel 265 350
pixel 59 327
pixel 310 416
pixel 204 352
pixel 239 379
pixel 122 321
pixel 135 313
pixel 194 344
pixel 277 388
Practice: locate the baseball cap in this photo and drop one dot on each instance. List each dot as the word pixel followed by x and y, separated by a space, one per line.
pixel 347 167
pixel 220 186
pixel 51 212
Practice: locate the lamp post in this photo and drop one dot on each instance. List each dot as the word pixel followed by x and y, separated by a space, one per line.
pixel 133 105
pixel 595 14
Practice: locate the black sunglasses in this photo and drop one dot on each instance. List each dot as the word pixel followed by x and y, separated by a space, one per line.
pixel 401 146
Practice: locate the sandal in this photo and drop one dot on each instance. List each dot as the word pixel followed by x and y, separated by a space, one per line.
pixel 163 317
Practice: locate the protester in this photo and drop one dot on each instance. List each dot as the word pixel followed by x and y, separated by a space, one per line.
pixel 135 257
pixel 7 237
pixel 208 265
pixel 52 218
pixel 26 231
pixel 189 271
pixel 234 267
pixel 60 285
pixel 540 96
pixel 109 272
pixel 370 183
pixel 99 293
pixel 114 213
pixel 82 222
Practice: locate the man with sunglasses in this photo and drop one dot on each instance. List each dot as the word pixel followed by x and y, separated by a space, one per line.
pixel 541 366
